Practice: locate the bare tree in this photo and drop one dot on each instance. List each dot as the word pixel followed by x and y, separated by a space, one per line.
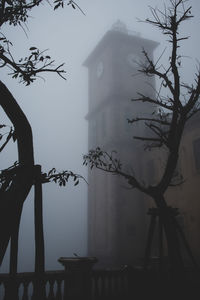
pixel 167 125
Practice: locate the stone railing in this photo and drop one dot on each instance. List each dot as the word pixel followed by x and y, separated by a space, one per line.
pixel 104 284
pixel 73 284
pixel 25 286
pixel 79 281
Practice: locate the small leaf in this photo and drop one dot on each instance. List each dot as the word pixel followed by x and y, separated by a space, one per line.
pixel 56 6
pixel 33 48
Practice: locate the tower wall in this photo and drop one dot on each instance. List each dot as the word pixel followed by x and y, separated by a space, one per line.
pixel 116 213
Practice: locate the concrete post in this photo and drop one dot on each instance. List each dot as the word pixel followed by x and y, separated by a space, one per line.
pixel 78 277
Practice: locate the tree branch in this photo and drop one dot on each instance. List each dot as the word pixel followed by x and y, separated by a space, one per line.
pixel 106 162
pixel 28 69
pixel 144 98
pixel 162 122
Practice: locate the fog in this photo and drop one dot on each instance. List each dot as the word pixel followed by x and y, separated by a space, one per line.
pixel 56 110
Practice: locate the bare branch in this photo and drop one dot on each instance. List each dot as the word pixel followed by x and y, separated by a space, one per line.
pixel 9 136
pixel 195 94
pixel 149 139
pixel 160 121
pixel 144 98
pixel 150 69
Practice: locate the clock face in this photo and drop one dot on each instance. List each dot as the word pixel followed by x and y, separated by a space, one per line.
pixel 133 59
pixel 100 69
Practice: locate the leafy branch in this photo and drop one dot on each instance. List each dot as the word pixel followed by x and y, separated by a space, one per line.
pixel 17 12
pixel 74 5
pixel 109 163
pixel 29 68
pixel 61 178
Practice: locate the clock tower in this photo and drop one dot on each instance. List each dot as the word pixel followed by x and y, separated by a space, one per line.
pixel 116 214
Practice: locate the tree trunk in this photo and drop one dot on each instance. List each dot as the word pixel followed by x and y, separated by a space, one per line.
pixel 173 244
pixel 11 200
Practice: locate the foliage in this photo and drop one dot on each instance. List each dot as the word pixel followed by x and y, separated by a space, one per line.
pixel 27 69
pixel 102 160
pixel 62 177
pixel 16 13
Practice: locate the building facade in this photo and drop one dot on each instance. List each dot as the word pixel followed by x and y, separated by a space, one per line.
pixel 184 194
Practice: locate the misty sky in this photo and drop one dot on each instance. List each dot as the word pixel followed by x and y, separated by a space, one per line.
pixel 56 109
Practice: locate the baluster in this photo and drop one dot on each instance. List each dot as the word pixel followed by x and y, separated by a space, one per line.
pixel 115 289
pixel 25 290
pixel 51 291
pixel 109 285
pixel 123 282
pixel 118 280
pixel 39 291
pixel 58 291
pixel 3 290
pixel 103 285
pixel 96 286
pixel 92 286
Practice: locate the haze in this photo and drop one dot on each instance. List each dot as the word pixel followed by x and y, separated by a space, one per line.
pixel 56 110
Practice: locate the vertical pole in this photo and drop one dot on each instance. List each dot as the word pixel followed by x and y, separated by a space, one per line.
pixel 39 236
pixel 14 247
pixel 12 290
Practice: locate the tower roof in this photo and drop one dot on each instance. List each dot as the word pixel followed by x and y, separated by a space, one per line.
pixel 119 30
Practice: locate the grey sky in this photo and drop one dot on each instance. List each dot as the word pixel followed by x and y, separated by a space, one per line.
pixel 56 108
